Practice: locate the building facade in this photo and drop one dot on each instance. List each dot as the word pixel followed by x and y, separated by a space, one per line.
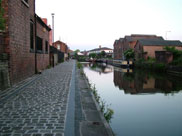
pixel 147 48
pixel 100 49
pixel 63 47
pixel 20 37
pixel 129 42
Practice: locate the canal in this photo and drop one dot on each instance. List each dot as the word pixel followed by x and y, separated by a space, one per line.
pixel 144 103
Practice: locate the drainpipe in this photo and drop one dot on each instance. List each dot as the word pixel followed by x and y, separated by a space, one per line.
pixel 35 44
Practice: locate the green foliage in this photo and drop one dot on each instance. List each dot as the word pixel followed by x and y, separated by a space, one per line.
pixel 103 54
pixel 62 60
pixel 79 65
pixel 160 67
pixel 2 20
pixel 92 55
pixel 177 62
pixel 176 53
pixel 77 50
pixel 129 54
pixel 150 59
pixel 129 76
pixel 49 66
pixel 108 114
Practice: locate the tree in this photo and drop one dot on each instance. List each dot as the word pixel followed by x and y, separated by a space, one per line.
pixel 129 54
pixel 92 55
pixel 176 53
pixel 77 50
pixel 103 53
pixel 2 20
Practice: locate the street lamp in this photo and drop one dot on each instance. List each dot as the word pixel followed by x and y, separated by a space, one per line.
pixel 52 27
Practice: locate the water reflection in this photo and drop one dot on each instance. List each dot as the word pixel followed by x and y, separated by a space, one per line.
pixel 101 68
pixel 154 114
pixel 138 82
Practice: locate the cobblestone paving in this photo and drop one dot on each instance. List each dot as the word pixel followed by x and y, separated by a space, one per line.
pixel 40 108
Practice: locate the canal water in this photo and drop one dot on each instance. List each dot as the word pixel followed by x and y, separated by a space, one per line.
pixel 144 103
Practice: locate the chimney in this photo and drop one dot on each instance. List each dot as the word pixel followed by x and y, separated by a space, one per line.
pixel 44 20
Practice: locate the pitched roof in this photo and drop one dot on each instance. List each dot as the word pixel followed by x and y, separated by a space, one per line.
pixel 103 48
pixel 116 42
pixel 42 22
pixel 121 39
pixel 150 42
pixel 136 37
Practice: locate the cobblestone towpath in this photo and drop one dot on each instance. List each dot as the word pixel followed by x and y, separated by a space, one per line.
pixel 40 107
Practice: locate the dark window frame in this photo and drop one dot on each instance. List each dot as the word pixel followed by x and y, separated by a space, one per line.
pixel 31 36
pixel 39 44
pixel 46 46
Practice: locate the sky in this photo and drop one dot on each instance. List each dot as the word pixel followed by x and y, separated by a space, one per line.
pixel 86 24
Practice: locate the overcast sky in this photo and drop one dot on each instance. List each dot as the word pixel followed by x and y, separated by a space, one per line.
pixel 86 24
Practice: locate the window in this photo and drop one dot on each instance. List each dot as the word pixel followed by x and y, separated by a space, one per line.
pixel 46 46
pixel 58 47
pixel 31 36
pixel 39 44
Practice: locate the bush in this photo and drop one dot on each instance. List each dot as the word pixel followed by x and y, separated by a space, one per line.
pixel 79 65
pixel 160 67
pixel 129 54
pixel 2 20
pixel 176 53
pixel 177 62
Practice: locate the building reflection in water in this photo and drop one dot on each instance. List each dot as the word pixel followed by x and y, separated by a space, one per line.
pixel 137 81
pixel 101 68
pixel 140 82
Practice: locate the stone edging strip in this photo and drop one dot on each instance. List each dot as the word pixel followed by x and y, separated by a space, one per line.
pixel 70 114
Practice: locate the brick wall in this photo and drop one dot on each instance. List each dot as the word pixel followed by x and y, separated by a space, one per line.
pixel 43 57
pixel 118 49
pixel 151 50
pixel 22 61
pixel 63 46
pixel 4 73
pixel 21 57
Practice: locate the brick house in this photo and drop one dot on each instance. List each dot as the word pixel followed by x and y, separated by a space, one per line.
pixel 118 50
pixel 42 43
pixel 129 42
pixel 61 46
pixel 145 48
pixel 25 39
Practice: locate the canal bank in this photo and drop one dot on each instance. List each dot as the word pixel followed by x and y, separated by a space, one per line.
pixel 89 120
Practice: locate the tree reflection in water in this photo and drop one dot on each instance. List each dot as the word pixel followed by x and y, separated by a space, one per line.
pixel 139 82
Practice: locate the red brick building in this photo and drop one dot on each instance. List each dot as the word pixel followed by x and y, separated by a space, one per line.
pixel 24 29
pixel 42 43
pixel 118 50
pixel 145 48
pixel 128 42
pixel 61 46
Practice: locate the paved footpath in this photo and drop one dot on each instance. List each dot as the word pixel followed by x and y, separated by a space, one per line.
pixel 40 107
pixel 57 102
